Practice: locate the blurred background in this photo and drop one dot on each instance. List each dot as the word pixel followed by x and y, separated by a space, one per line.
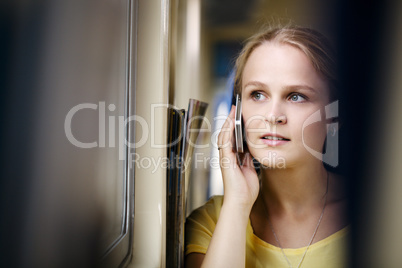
pixel 62 205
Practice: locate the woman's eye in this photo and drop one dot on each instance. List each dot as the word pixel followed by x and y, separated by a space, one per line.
pixel 257 96
pixel 297 98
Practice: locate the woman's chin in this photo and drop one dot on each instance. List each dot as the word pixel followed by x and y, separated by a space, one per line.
pixel 272 161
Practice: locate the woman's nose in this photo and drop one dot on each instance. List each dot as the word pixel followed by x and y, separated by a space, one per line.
pixel 277 120
pixel 276 115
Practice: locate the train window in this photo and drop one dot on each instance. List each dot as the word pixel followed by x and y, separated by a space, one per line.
pixel 116 179
pixel 67 197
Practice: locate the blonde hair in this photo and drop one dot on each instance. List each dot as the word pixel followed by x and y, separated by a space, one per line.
pixel 313 44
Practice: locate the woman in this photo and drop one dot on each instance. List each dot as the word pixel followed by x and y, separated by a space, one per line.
pixel 291 213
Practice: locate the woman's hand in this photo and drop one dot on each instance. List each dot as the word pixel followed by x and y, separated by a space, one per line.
pixel 228 242
pixel 240 179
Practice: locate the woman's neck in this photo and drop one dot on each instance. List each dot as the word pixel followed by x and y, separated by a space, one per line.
pixel 294 190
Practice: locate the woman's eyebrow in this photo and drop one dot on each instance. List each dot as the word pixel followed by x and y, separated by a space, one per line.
pixel 302 87
pixel 288 87
pixel 255 84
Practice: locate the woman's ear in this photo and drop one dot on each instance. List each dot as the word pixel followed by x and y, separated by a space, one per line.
pixel 332 118
pixel 331 145
pixel 333 126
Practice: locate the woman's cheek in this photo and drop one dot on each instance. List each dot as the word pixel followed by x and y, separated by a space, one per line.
pixel 251 133
pixel 313 136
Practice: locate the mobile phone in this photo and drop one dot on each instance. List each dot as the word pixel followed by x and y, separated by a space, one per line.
pixel 238 126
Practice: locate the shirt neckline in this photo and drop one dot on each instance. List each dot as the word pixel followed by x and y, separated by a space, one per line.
pixel 337 235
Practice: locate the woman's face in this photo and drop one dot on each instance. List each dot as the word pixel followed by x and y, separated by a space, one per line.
pixel 280 91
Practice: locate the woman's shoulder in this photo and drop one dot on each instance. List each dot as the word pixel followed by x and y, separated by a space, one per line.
pixel 215 201
pixel 210 210
pixel 201 224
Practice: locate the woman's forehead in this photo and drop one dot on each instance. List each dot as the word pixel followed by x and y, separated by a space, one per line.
pixel 274 63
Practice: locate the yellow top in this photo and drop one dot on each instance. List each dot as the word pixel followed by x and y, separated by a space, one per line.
pixel 329 252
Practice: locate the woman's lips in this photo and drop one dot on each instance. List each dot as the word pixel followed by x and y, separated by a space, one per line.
pixel 273 143
pixel 274 139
